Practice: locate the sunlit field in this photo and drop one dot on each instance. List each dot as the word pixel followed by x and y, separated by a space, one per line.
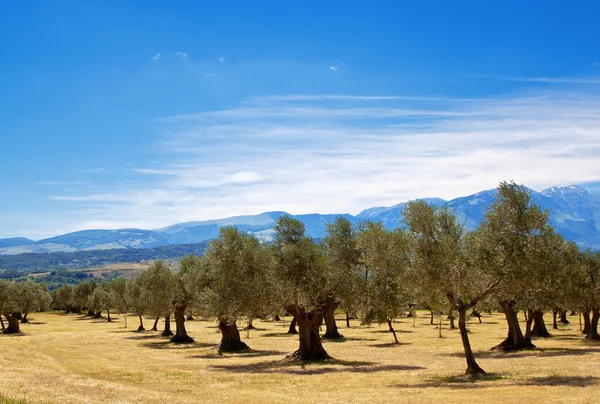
pixel 71 358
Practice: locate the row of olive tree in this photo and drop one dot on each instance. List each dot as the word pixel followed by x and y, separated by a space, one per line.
pixel 18 299
pixel 513 261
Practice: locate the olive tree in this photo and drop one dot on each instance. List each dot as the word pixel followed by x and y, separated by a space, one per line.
pixel 235 281
pixel 157 292
pixel 185 287
pixel 385 258
pixel 439 261
pixel 506 232
pixel 31 297
pixel 343 274
pixel 300 271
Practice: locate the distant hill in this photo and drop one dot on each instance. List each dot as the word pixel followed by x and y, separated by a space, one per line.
pixel 41 262
pixel 574 211
pixel 16 241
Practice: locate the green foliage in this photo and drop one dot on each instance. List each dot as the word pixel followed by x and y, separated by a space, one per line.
pixel 300 266
pixel 157 289
pixel 236 277
pixel 385 258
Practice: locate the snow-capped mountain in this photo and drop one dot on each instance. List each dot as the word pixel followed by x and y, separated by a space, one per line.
pixel 574 211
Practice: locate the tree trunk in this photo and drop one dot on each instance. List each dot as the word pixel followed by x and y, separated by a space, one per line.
pixel 515 339
pixel 108 315
pixel 331 331
pixel 292 329
pixel 13 324
pixel 347 320
pixel 98 314
pixel 230 337
pixel 451 318
pixel 91 313
pixel 155 326
pixel 389 321
pixel 141 327
pixel 189 317
pixel 250 326
pixel 24 320
pixel 539 327
pixel 167 331
pixel 563 317
pixel 181 336
pixel 586 322
pixel 311 348
pixel 2 322
pixel 431 318
pixel 593 334
pixel 277 318
pixel 554 323
pixel 472 366
pixel 475 313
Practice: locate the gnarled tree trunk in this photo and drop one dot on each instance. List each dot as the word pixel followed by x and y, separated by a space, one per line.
pixel 330 324
pixel 141 327
pixel 167 331
pixel 515 339
pixel 563 317
pixel 230 337
pixel 539 327
pixel 181 336
pixel 24 320
pixel 155 326
pixel 292 329
pixel 472 366
pixel 13 324
pixel 2 322
pixel 311 348
pixel 586 322
pixel 593 334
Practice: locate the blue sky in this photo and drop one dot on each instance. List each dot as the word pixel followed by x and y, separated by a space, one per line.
pixel 145 114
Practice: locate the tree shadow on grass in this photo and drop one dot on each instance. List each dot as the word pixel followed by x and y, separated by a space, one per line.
pixel 142 337
pixel 538 352
pixel 574 381
pixel 239 354
pixel 35 322
pixel 389 332
pixel 461 382
pixel 484 381
pixel 390 344
pixel 278 334
pixel 171 345
pixel 313 368
pixel 344 339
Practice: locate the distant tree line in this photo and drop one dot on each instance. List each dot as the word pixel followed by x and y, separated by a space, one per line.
pixel 514 261
pixel 16 265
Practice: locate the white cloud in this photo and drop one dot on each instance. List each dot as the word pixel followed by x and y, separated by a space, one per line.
pixel 156 57
pixel 345 153
pixel 335 69
pixel 182 55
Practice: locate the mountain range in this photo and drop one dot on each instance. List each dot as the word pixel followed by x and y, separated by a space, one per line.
pixel 574 212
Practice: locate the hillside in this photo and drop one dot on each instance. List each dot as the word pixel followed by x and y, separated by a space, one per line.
pixel 574 211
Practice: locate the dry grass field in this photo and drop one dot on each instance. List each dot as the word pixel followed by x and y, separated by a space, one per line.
pixel 70 358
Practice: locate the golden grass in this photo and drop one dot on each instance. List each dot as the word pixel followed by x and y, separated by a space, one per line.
pixel 69 358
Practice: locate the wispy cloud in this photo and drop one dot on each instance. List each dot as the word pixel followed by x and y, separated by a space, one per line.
pixel 344 153
pixel 335 69
pixel 156 57
pixel 182 55
pixel 550 80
